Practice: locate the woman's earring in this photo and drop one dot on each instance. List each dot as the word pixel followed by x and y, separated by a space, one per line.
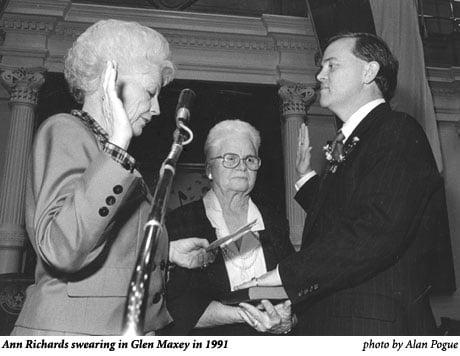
pixel 210 176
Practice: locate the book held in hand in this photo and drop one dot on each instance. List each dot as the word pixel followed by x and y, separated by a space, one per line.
pixel 254 295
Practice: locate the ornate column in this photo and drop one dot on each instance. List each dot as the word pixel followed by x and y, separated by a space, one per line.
pixel 23 84
pixel 296 100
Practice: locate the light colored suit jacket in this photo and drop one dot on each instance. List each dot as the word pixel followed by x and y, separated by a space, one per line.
pixel 85 215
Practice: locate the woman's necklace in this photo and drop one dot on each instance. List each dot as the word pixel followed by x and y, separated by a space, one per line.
pixel 243 261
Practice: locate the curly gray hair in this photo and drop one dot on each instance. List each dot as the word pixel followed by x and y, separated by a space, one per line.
pixel 134 47
pixel 230 128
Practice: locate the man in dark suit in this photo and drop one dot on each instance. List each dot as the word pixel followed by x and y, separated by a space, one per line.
pixel 362 266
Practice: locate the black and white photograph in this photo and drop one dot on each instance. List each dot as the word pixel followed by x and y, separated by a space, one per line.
pixel 186 176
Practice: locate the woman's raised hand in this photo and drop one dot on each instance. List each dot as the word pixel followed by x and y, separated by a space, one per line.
pixel 116 119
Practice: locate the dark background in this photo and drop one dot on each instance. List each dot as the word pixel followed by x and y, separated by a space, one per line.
pixel 256 104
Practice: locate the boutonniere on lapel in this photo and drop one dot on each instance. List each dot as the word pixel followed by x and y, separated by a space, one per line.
pixel 336 152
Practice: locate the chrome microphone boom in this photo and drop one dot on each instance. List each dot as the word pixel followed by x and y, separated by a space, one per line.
pixel 133 321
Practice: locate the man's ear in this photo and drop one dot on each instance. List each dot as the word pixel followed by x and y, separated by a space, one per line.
pixel 370 72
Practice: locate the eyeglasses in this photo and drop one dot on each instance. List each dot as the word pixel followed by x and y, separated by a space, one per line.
pixel 232 160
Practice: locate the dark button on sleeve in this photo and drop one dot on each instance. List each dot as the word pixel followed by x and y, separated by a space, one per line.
pixel 163 265
pixel 104 211
pixel 110 200
pixel 127 166
pixel 117 189
pixel 156 298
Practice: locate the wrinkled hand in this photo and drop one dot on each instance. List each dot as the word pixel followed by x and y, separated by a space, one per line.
pixel 114 114
pixel 190 253
pixel 267 318
pixel 303 157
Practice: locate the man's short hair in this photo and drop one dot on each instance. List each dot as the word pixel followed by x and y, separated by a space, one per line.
pixel 370 47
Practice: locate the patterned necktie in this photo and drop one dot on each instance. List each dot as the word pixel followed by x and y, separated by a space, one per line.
pixel 337 147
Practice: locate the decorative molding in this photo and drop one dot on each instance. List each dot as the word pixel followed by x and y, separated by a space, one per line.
pixel 23 52
pixel 290 43
pixel 442 87
pixel 296 98
pixel 290 33
pixel 445 88
pixel 22 83
pixel 444 81
pixel 165 19
pixel 227 73
pixel 219 41
pixel 26 23
pixel 288 25
pixel 39 7
pixel 217 47
pixel 193 39
pixel 172 4
pixel 69 30
pixel 449 75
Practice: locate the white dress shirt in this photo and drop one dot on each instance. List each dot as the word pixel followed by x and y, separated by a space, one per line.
pixel 249 261
pixel 348 127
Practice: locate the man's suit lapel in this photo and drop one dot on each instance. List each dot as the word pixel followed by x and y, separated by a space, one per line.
pixel 330 178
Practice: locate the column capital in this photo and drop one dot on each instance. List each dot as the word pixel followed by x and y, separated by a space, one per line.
pixel 296 98
pixel 22 83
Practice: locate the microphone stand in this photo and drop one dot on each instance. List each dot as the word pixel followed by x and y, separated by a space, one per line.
pixel 133 321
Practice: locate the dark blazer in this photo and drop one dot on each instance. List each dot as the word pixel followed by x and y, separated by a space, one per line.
pixel 189 292
pixel 84 216
pixel 362 266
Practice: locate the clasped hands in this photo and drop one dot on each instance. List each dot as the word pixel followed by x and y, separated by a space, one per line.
pixel 266 317
pixel 269 318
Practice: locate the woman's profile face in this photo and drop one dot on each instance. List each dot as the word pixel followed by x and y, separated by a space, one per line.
pixel 139 93
pixel 239 179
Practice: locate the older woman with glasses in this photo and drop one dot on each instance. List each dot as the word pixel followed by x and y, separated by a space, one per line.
pixel 232 161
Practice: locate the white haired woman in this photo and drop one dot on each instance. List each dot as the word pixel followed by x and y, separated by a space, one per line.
pixel 232 161
pixel 86 203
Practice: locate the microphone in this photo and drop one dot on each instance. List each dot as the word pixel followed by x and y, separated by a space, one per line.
pixel 186 99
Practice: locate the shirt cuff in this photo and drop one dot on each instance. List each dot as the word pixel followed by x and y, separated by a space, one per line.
pixel 120 156
pixel 304 179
